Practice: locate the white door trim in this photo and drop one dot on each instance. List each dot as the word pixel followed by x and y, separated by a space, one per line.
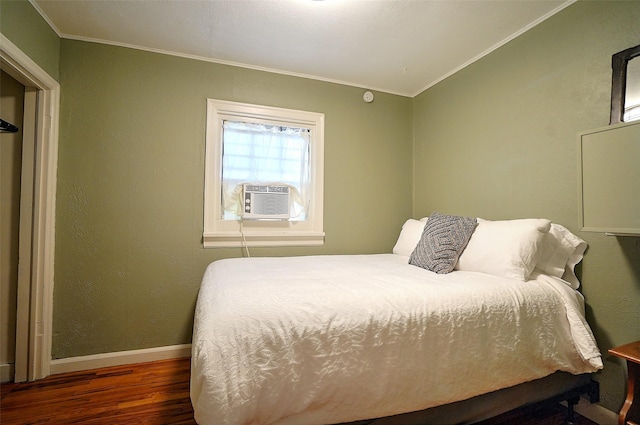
pixel 27 177
pixel 38 299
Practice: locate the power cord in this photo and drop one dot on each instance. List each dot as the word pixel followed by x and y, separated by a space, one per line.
pixel 244 240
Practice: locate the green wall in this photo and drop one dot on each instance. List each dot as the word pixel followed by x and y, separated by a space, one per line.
pixel 129 214
pixel 499 140
pixel 28 30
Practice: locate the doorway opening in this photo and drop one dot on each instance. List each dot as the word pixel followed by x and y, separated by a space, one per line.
pixel 34 291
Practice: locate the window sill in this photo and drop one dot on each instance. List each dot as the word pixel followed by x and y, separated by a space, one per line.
pixel 262 239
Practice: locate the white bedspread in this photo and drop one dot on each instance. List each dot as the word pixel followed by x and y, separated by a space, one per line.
pixel 328 339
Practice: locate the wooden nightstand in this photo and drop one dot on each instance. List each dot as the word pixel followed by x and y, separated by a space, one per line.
pixel 630 412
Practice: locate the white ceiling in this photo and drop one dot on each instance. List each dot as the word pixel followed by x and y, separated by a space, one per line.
pixel 395 46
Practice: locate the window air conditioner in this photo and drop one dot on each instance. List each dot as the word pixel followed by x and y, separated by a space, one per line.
pixel 270 202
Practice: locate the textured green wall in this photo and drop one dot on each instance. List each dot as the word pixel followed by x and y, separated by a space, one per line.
pixel 24 26
pixel 499 140
pixel 129 218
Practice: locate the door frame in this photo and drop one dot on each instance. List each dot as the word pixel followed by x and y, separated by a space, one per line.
pixel 35 273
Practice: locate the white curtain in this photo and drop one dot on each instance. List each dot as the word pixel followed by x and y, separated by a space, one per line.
pixel 264 154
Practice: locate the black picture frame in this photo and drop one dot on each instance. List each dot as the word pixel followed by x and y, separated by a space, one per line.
pixel 619 63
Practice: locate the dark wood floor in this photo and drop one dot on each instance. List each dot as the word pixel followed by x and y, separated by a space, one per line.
pixel 147 393
pixel 154 393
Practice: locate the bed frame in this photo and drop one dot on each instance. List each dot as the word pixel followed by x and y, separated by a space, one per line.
pixel 555 388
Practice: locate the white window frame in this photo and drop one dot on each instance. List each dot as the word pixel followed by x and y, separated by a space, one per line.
pixel 219 233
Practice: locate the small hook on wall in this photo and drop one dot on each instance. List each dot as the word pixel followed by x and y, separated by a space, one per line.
pixel 7 127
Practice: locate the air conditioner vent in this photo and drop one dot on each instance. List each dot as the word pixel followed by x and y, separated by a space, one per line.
pixel 269 202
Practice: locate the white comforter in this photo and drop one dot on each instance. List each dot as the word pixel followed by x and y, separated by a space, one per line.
pixel 328 339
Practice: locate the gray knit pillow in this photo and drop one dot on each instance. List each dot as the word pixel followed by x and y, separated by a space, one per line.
pixel 443 239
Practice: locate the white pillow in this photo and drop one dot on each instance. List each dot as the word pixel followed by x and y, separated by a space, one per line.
pixel 569 270
pixel 561 251
pixel 506 248
pixel 558 247
pixel 409 237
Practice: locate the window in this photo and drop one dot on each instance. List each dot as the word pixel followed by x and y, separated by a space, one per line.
pixel 260 145
pixel 264 154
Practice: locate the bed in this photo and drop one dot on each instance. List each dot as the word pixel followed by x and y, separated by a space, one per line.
pixel 344 338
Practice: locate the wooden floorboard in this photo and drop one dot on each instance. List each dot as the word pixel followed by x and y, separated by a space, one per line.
pixel 146 393
pixel 154 393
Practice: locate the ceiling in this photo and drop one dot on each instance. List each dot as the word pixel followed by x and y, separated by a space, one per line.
pixel 396 46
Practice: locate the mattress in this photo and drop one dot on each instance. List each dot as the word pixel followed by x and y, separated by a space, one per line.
pixel 330 339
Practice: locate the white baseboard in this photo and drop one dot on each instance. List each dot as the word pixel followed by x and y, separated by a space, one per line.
pixel 595 412
pixel 6 372
pixel 95 361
